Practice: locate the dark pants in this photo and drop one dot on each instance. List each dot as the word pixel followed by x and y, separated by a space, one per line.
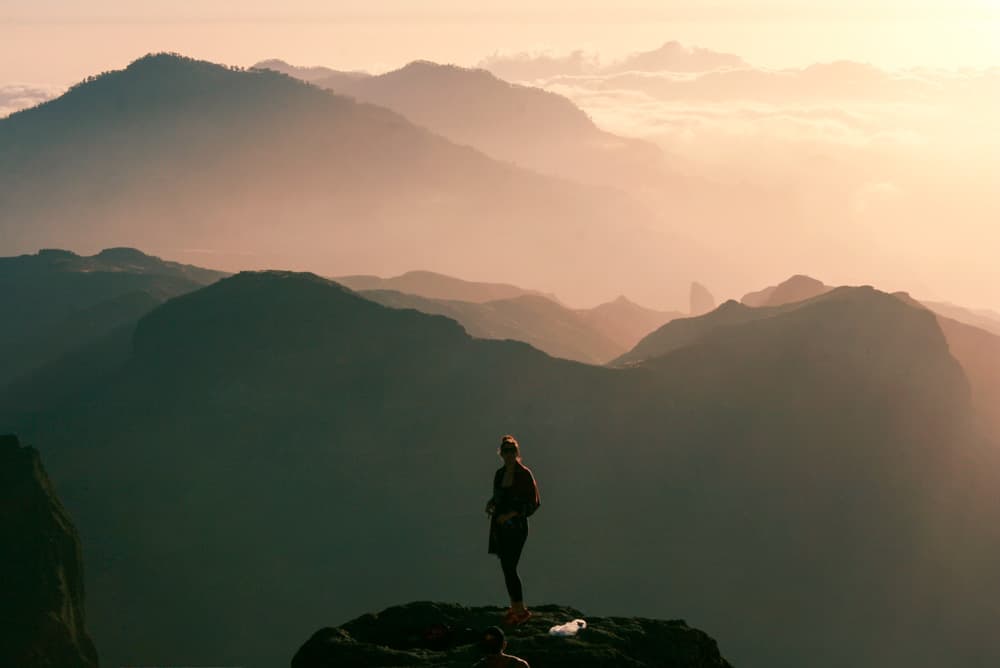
pixel 510 543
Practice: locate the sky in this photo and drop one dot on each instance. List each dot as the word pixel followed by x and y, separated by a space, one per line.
pixel 895 160
pixel 55 42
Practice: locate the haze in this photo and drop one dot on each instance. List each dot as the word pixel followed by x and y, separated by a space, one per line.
pixel 883 157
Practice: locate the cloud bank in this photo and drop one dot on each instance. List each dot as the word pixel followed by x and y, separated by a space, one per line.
pixel 14 97
pixel 888 177
pixel 671 57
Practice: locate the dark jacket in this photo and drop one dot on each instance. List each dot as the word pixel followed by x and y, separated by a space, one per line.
pixel 522 497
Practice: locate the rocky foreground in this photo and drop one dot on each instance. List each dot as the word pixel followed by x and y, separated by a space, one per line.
pixel 41 571
pixel 445 635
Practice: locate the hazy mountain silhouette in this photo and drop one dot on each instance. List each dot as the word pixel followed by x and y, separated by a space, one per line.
pixel 795 289
pixel 675 57
pixel 438 286
pixel 539 321
pixel 56 301
pixel 800 287
pixel 41 569
pixel 671 57
pixel 687 331
pixel 254 168
pixel 625 322
pixel 502 311
pixel 978 351
pixel 281 453
pixel 983 319
pixel 450 636
pixel 526 126
pixel 317 75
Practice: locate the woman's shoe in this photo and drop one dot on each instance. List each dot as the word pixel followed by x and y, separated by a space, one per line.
pixel 510 616
pixel 521 617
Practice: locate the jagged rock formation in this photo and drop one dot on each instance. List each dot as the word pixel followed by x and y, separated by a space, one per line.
pixel 702 300
pixel 447 635
pixel 41 569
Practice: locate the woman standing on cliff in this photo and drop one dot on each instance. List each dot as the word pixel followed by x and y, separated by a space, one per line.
pixel 515 498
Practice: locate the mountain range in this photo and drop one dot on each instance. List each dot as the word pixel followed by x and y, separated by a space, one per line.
pixel 253 169
pixel 973 336
pixel 523 125
pixel 432 285
pixel 55 302
pixel 811 487
pixel 594 335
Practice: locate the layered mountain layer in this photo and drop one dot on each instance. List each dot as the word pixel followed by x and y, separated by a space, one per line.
pixel 56 302
pixel 253 169
pixel 278 451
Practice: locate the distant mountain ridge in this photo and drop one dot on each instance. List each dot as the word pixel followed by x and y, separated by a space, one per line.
pixel 252 169
pixel 433 285
pixel 501 311
pixel 526 126
pixel 795 289
pixel 794 458
pixel 56 301
pixel 539 321
pixel 311 74
pixel 976 348
pixel 625 322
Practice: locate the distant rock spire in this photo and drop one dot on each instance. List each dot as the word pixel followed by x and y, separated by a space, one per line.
pixel 702 300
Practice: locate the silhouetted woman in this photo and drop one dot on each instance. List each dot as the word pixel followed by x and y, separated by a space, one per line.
pixel 515 498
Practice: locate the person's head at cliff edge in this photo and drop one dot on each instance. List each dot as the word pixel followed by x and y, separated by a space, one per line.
pixel 494 640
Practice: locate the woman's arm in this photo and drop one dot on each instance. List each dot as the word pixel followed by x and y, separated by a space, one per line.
pixel 530 500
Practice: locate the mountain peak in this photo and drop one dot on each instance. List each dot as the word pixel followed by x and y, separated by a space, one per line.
pixel 164 60
pixel 445 73
pixel 794 289
pixel 124 254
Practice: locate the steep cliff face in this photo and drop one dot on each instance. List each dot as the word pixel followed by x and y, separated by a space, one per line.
pixel 445 635
pixel 41 571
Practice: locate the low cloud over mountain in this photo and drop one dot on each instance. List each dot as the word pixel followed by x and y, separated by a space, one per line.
pixel 14 97
pixel 672 56
pixel 878 159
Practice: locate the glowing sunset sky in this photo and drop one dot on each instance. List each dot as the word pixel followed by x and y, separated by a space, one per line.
pixel 895 163
pixel 58 42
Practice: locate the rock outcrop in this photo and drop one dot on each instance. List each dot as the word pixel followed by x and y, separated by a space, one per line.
pixel 702 301
pixel 41 571
pixel 443 635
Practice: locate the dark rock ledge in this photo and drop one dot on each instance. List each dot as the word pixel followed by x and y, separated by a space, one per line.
pixel 444 635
